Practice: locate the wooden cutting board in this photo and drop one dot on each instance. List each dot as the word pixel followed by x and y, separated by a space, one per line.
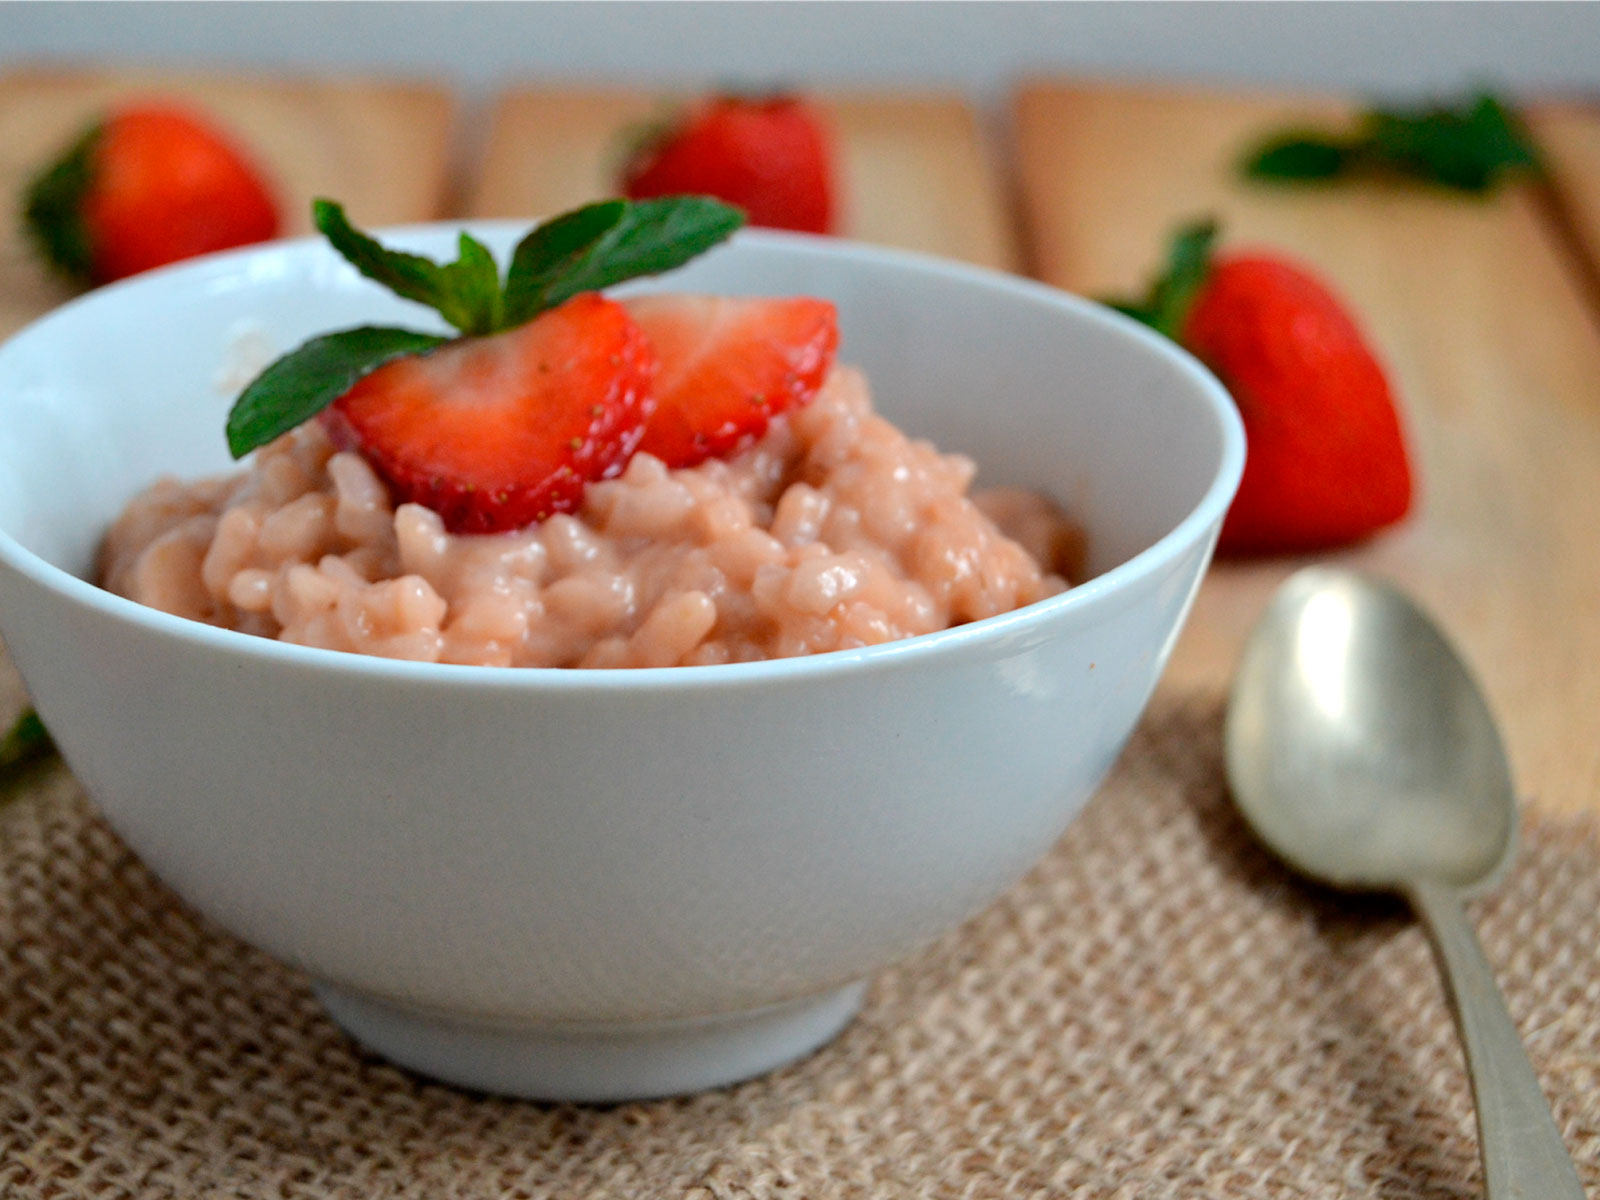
pixel 382 147
pixel 915 170
pixel 1494 357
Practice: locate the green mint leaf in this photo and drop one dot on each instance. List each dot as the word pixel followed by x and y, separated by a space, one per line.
pixel 305 381
pixel 1294 156
pixel 455 290
pixel 27 742
pixel 552 252
pixel 474 280
pixel 53 210
pixel 608 243
pixel 1468 147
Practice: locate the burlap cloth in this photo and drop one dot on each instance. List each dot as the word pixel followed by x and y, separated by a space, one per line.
pixel 1158 1009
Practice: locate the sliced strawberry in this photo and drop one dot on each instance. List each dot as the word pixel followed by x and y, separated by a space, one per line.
pixel 493 433
pixel 728 364
pixel 769 156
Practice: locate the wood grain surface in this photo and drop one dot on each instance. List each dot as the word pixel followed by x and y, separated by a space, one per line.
pixel 382 147
pixel 1495 361
pixel 1569 136
pixel 915 171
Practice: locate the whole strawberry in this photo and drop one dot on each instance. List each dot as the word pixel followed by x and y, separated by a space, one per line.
pixel 1326 462
pixel 770 157
pixel 151 184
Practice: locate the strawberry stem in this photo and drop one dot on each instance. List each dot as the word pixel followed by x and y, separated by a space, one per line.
pixel 1166 303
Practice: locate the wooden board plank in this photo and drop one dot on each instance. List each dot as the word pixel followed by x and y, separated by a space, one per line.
pixel 383 147
pixel 1569 136
pixel 1492 354
pixel 914 170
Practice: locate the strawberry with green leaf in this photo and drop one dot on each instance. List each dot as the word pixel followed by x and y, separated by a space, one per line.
pixel 1327 462
pixel 769 155
pixel 151 184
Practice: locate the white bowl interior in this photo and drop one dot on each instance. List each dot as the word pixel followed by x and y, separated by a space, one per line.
pixel 135 381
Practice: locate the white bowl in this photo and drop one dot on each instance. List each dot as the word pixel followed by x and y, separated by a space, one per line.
pixel 594 885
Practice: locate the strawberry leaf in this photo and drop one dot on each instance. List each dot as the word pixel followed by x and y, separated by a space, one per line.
pixel 27 742
pixel 53 209
pixel 458 291
pixel 1167 301
pixel 305 381
pixel 608 243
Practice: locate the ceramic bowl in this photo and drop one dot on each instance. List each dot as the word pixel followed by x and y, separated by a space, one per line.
pixel 594 885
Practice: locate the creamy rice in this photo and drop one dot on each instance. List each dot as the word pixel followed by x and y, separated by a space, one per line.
pixel 834 531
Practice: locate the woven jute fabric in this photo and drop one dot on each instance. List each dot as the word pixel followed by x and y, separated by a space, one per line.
pixel 1157 1010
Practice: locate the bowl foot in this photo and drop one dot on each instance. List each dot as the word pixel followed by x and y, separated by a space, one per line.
pixel 598 1062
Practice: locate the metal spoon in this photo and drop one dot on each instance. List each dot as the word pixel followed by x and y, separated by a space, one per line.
pixel 1361 750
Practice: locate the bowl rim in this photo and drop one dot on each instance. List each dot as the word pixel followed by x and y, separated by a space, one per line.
pixel 1150 561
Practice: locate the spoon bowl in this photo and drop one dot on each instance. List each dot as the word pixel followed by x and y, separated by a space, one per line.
pixel 1358 745
pixel 1360 749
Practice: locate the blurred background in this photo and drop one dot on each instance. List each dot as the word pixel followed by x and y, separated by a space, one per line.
pixel 1396 48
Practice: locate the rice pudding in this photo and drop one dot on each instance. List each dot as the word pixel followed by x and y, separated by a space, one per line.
pixel 834 530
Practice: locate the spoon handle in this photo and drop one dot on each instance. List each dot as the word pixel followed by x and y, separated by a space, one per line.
pixel 1523 1155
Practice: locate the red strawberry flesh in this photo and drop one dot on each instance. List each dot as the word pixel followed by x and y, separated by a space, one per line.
pixel 728 364
pixel 497 432
pixel 770 157
pixel 165 186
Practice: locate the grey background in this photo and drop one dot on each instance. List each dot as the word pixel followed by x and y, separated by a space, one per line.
pixel 1393 49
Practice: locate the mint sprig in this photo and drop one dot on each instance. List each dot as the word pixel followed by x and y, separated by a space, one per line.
pixel 1167 301
pixel 466 293
pixel 585 250
pixel 1469 146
